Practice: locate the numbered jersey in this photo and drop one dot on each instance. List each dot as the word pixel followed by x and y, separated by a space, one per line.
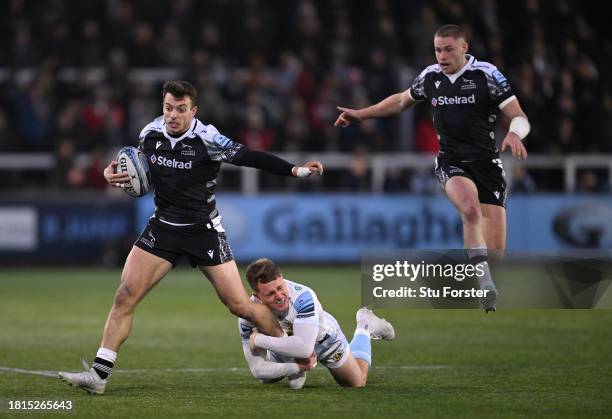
pixel 464 107
pixel 184 170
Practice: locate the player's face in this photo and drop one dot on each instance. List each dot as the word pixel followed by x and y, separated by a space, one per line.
pixel 274 294
pixel 178 113
pixel 450 53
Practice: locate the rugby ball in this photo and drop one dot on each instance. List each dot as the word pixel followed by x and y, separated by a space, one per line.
pixel 132 161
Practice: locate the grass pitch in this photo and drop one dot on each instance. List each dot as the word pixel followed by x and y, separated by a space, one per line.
pixel 184 357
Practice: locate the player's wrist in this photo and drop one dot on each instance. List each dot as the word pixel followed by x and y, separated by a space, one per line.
pixel 361 114
pixel 300 367
pixel 519 126
pixel 301 171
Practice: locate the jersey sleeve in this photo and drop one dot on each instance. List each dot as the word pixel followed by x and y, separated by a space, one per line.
pixel 299 345
pixel 417 88
pixel 219 147
pixel 265 367
pixel 306 308
pixel 498 85
pixel 153 126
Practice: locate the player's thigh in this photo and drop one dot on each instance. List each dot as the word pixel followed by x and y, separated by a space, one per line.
pixel 349 374
pixel 225 278
pixel 142 270
pixel 463 193
pixel 494 229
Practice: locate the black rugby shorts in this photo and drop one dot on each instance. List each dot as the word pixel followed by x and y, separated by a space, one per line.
pixel 488 175
pixel 202 246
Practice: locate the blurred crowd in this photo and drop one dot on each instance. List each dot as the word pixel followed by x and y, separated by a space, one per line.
pixel 86 76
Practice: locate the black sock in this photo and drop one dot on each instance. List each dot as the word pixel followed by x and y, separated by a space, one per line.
pixel 102 367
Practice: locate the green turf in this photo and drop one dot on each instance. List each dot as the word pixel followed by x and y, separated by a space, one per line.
pixel 444 363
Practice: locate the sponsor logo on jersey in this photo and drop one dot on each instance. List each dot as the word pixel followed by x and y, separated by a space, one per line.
pixel 222 141
pixel 437 83
pixel 455 100
pixel 173 163
pixel 158 145
pixel 210 253
pixel 500 79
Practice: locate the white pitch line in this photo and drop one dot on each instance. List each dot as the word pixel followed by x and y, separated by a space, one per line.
pixel 30 372
pixel 46 373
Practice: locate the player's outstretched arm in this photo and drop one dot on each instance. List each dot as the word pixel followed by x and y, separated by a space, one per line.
pixel 262 369
pixel 519 128
pixel 275 165
pixel 299 345
pixel 391 105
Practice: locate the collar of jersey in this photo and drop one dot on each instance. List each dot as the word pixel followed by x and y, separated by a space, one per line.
pixel 173 140
pixel 453 77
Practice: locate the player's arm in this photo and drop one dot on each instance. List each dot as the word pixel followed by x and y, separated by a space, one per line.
pixel 519 128
pixel 391 105
pixel 275 165
pixel 299 345
pixel 262 369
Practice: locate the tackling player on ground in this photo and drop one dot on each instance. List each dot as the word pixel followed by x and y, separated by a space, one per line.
pixel 312 334
pixel 185 156
pixel 465 95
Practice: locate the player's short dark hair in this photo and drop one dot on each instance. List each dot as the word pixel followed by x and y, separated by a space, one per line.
pixel 262 271
pixel 179 89
pixel 453 31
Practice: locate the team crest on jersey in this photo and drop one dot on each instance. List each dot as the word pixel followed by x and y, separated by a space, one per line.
pixel 187 150
pixel 336 357
pixel 468 84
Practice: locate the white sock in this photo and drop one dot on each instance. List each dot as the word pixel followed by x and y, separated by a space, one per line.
pixel 107 354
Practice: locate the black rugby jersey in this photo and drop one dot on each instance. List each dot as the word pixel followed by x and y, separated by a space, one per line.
pixel 184 169
pixel 464 107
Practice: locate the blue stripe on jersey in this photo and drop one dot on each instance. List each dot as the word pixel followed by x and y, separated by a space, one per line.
pixel 301 316
pixel 307 309
pixel 245 331
pixel 304 303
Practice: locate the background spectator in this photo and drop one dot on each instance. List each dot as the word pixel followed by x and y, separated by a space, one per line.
pixel 272 73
